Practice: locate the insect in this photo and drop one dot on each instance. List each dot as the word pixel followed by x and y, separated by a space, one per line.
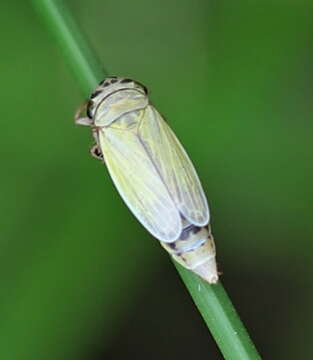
pixel 151 171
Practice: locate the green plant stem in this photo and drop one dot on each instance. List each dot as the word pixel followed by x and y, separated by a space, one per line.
pixel 211 300
pixel 220 316
pixel 86 65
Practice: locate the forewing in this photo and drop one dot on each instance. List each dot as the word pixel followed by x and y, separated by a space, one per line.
pixel 139 183
pixel 174 166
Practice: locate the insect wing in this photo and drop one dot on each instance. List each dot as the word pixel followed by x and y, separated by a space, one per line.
pixel 174 166
pixel 139 183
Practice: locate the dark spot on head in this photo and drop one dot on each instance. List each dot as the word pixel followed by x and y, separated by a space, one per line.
pixel 106 82
pixel 94 94
pixel 124 81
pixel 113 81
pixel 144 88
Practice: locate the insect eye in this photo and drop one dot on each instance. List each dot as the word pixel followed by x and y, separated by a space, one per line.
pixel 88 111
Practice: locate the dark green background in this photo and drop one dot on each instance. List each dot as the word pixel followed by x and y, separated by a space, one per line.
pixel 79 277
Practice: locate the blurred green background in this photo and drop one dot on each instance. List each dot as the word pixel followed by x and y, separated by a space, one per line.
pixel 80 278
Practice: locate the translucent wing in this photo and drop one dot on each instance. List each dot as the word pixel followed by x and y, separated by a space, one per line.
pixel 174 166
pixel 139 183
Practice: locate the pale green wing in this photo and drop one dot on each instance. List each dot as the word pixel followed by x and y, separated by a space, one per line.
pixel 174 166
pixel 139 183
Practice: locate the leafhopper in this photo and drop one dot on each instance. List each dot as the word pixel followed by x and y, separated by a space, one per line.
pixel 151 171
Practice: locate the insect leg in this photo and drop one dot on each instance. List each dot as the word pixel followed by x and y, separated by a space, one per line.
pixel 96 152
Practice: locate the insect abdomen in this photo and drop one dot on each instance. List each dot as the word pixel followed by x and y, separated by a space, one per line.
pixel 195 250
